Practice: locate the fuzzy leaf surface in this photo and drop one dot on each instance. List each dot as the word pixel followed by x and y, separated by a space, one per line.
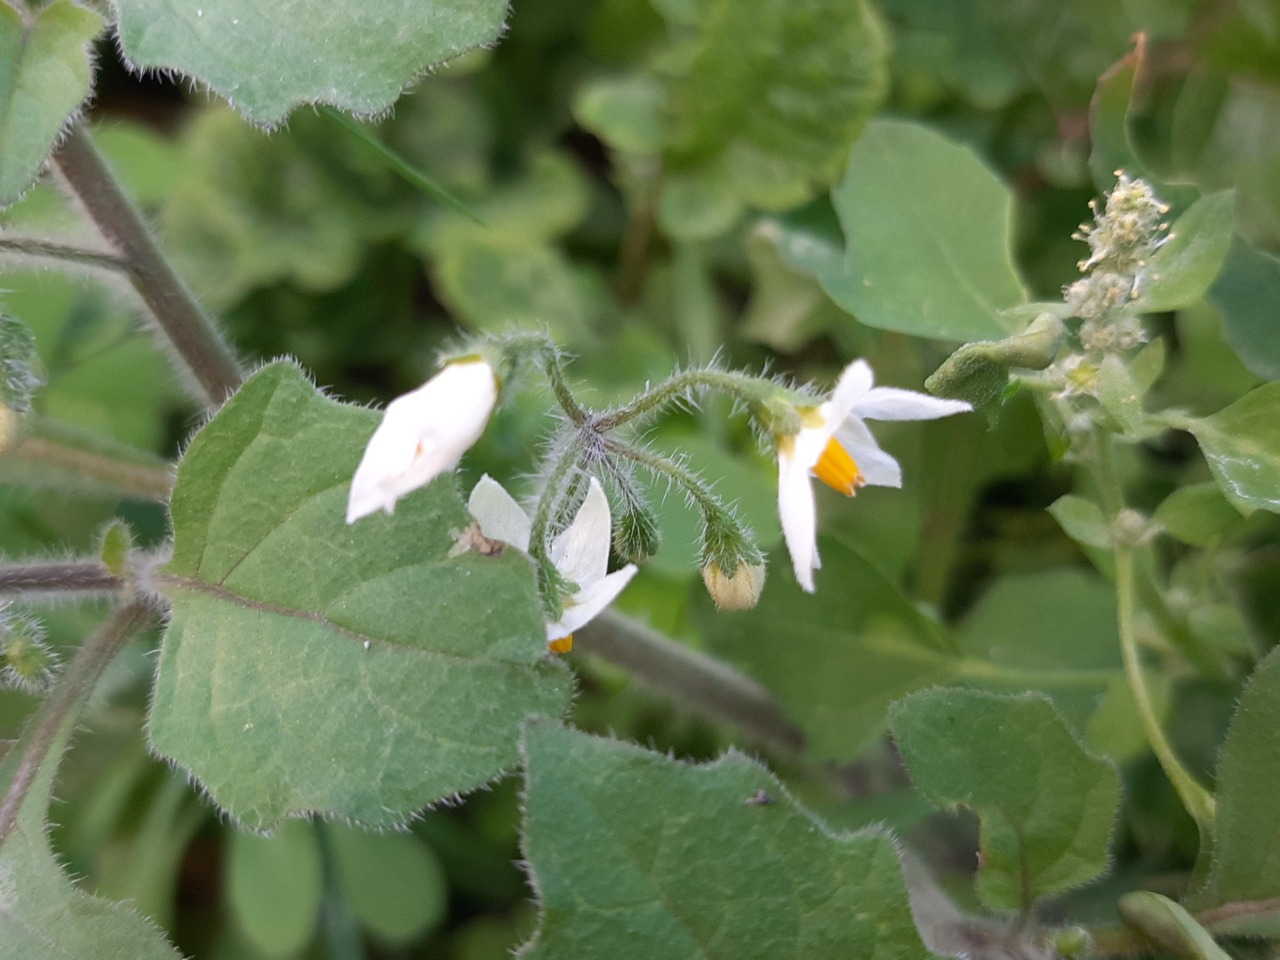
pixel 48 67
pixel 927 229
pixel 1046 807
pixel 267 59
pixel 1246 850
pixel 683 862
pixel 359 671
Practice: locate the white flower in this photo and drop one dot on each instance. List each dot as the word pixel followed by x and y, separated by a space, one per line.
pixel 580 554
pixel 835 445
pixel 423 434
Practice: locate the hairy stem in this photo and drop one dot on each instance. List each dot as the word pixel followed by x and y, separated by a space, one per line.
pixel 194 338
pixel 135 480
pixel 74 576
pixel 702 684
pixel 57 715
pixel 740 386
pixel 686 479
pixel 23 247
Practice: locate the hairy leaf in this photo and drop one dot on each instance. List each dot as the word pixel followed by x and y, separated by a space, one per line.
pixel 267 59
pixel 927 231
pixel 625 846
pixel 358 671
pixel 1046 806
pixel 48 68
pixel 1246 848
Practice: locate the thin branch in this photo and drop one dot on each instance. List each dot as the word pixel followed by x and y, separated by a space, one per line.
pixel 135 480
pixel 702 684
pixel 57 715
pixel 193 336
pixel 74 576
pixel 65 253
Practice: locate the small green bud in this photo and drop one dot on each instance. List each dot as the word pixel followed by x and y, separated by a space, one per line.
pixel 979 372
pixel 26 662
pixel 1071 942
pixel 636 536
pixel 117 543
pixel 737 591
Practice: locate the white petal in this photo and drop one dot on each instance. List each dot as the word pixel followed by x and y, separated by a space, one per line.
pixel 498 514
pixel 589 601
pixel 422 435
pixel 890 403
pixel 799 516
pixel 808 444
pixel 877 467
pixel 581 552
pixel 854 384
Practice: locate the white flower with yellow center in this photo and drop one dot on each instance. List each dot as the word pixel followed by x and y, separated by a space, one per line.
pixel 835 445
pixel 423 434
pixel 580 553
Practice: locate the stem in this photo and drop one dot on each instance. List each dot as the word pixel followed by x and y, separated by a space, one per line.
pixel 1197 800
pixel 707 501
pixel 48 250
pixel 577 413
pixel 130 479
pixel 189 331
pixel 633 252
pixel 80 576
pixel 56 716
pixel 701 683
pixel 549 502
pixel 740 386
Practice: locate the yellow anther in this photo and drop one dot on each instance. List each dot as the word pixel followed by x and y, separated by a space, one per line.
pixel 838 470
pixel 563 645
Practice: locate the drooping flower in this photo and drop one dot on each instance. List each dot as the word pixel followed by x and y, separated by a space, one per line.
pixel 835 445
pixel 423 434
pixel 580 553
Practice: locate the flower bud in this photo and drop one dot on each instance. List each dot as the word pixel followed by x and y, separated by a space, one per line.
pixel 26 662
pixel 117 544
pixel 424 434
pixel 741 591
pixel 637 537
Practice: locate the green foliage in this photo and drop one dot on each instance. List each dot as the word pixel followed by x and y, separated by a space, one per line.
pixel 1046 806
pixel 696 861
pixel 357 57
pixel 47 73
pixel 274 885
pixel 926 238
pixel 1169 925
pixel 1242 877
pixel 1186 265
pixel 393 881
pixel 1245 290
pixel 358 671
pixel 1242 445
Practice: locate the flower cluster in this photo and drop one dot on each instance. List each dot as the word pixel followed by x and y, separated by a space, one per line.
pixel 424 434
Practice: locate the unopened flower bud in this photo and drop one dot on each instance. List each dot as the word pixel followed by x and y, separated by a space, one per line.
pixel 26 662
pixel 637 537
pixel 739 591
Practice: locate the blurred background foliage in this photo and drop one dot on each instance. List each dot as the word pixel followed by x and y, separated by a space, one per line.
pixel 308 245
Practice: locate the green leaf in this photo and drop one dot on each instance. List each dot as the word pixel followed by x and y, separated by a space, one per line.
pixel 394 883
pixel 625 846
pixel 1082 521
pixel 358 671
pixel 42 914
pixel 1046 807
pixel 1184 267
pixel 927 231
pixel 1169 925
pixel 849 651
pixel 1119 395
pixel 1247 291
pixel 624 112
pixel 1197 515
pixel 1247 838
pixel 764 97
pixel 1111 148
pixel 267 60
pixel 48 67
pixel 1242 445
pixel 274 885
pixel 1053 631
